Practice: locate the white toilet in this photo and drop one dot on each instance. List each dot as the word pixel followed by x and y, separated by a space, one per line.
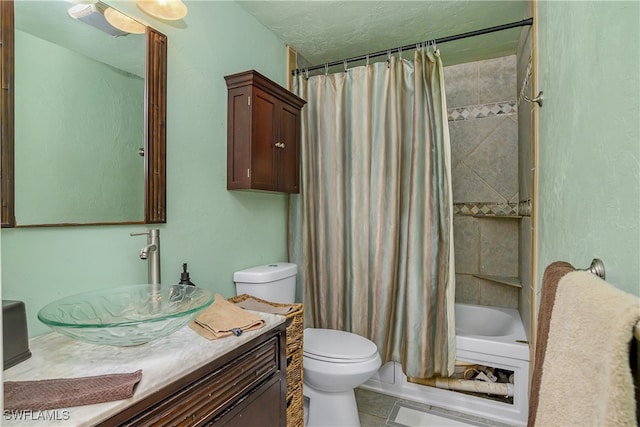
pixel 334 362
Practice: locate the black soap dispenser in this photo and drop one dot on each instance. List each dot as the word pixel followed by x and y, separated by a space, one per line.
pixel 184 277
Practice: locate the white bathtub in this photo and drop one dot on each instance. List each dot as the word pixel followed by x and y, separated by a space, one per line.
pixel 488 336
pixel 491 330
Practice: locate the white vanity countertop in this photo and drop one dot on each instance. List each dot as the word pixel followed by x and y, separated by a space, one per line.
pixel 162 362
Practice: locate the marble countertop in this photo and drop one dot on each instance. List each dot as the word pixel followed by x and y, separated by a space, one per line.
pixel 162 362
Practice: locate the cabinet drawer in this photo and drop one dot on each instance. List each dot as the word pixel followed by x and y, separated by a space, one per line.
pixel 259 409
pixel 216 393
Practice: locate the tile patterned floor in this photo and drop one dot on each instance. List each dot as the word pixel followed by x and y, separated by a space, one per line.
pixel 374 408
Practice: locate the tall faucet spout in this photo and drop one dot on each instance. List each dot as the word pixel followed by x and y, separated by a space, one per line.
pixel 144 252
pixel 151 251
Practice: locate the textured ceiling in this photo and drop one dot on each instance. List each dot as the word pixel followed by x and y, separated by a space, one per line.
pixel 326 31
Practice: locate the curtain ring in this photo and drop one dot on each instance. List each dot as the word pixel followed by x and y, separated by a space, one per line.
pixel 306 73
pixel 388 58
pixel 367 60
pixel 399 53
pixel 345 65
pixel 326 69
pixel 433 43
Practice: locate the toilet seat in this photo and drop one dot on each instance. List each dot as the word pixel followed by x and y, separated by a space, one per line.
pixel 335 363
pixel 331 345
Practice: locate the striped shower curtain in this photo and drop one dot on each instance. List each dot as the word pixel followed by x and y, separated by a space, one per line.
pixel 372 228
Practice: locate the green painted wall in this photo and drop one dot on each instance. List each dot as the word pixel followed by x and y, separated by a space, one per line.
pixel 589 146
pixel 78 157
pixel 216 231
pixel 589 161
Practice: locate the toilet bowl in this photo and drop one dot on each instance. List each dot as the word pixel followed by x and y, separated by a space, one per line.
pixel 335 362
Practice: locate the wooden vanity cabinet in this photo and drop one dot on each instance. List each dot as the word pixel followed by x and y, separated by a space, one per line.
pixel 263 134
pixel 245 387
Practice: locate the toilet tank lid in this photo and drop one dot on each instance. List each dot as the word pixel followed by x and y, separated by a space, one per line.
pixel 337 344
pixel 266 273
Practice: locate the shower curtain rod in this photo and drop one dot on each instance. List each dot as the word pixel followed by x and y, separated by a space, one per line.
pixel 502 27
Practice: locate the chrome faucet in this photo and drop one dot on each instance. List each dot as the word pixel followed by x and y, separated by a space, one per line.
pixel 151 251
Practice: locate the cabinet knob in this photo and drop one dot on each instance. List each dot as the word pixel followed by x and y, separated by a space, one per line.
pixel 279 144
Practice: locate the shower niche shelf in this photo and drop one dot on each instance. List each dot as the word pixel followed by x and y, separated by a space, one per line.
pixel 503 280
pixel 498 216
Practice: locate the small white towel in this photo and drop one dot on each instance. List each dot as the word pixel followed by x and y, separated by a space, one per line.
pixel 586 377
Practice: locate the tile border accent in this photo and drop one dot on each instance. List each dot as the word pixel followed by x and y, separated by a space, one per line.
pixel 522 208
pixel 482 111
pixel 485 208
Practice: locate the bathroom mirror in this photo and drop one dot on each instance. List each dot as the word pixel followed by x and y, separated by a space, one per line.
pixel 83 135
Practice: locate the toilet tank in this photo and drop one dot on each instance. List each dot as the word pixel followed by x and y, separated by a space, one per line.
pixel 271 282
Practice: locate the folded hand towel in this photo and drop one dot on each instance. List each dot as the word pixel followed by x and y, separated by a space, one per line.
pixel 67 392
pixel 585 376
pixel 221 318
pixel 260 305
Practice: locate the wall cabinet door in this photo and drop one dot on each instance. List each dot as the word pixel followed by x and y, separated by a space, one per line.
pixel 288 151
pixel 263 153
pixel 263 135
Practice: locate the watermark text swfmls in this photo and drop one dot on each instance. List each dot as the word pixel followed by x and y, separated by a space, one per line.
pixel 30 415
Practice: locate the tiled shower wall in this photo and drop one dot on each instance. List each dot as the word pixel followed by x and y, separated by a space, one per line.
pixel 483 124
pixel 525 178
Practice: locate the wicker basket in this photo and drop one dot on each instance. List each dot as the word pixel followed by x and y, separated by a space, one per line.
pixel 294 354
pixel 294 368
pixel 295 408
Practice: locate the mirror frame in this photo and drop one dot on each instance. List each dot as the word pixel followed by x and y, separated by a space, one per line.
pixel 155 132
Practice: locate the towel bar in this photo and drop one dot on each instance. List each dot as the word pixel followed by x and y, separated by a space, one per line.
pixel 596 267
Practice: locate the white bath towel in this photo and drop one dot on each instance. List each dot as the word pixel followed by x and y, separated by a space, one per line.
pixel 586 377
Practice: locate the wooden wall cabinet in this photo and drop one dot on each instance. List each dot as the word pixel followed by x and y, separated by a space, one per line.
pixel 246 387
pixel 263 134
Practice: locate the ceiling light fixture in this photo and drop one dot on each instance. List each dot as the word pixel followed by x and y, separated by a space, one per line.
pixel 93 14
pixel 122 22
pixel 170 10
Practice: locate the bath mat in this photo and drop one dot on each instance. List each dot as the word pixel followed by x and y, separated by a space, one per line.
pixel 405 414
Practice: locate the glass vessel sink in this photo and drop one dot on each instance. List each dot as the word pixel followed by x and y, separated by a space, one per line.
pixel 125 316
